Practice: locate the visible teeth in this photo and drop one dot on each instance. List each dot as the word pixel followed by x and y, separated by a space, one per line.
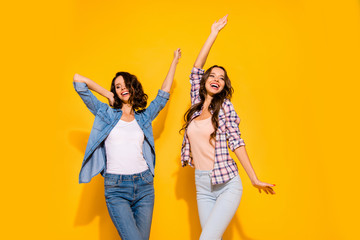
pixel 214 85
pixel 124 93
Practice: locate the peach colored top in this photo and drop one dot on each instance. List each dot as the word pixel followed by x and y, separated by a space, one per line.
pixel 202 151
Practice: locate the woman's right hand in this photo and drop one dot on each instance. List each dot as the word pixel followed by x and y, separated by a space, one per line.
pixel 111 99
pixel 218 25
pixel 177 55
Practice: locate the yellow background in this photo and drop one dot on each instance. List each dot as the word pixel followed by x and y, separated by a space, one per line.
pixel 294 66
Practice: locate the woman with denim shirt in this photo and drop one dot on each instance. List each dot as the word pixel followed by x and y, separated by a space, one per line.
pixel 211 123
pixel 121 148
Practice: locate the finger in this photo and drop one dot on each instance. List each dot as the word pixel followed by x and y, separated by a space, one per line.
pixel 267 184
pixel 259 190
pixel 265 191
pixel 271 190
pixel 223 24
pixel 224 19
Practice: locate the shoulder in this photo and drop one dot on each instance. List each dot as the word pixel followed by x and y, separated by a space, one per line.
pixel 227 105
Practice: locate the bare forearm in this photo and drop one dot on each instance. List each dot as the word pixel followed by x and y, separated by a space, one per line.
pixel 166 86
pixel 243 157
pixel 93 86
pixel 204 52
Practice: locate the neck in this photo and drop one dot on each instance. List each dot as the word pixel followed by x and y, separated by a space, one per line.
pixel 127 108
pixel 207 101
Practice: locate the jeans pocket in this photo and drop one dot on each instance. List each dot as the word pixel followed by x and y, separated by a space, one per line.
pixel 110 182
pixel 148 178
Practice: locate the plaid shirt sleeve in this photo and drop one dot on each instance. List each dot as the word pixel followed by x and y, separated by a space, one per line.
pixel 195 77
pixel 232 126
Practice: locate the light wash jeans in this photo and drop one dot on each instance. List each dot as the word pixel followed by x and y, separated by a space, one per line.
pixel 217 204
pixel 130 201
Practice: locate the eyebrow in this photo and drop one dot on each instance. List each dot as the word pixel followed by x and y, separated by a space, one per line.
pixel 218 75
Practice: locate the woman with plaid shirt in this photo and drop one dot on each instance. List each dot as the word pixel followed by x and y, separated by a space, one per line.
pixel 211 123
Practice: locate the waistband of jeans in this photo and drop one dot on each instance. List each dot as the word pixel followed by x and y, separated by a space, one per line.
pixel 203 172
pixel 128 176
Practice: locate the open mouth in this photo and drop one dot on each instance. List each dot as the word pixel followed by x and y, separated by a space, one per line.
pixel 215 86
pixel 124 93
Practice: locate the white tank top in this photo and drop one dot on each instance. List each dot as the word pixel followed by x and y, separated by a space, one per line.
pixel 124 149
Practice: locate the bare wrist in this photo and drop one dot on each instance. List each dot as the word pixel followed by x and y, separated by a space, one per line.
pixel 254 181
pixel 214 33
pixel 110 95
pixel 175 61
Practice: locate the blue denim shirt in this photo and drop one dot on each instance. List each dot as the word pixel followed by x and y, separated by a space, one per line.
pixel 105 119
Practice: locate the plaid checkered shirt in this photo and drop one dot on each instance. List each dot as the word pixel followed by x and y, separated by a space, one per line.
pixel 228 131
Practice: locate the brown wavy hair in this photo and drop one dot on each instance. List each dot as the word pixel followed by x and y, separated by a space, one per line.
pixel 215 104
pixel 138 99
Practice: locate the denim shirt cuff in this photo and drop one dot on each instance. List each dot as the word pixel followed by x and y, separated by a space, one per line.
pixel 80 86
pixel 163 94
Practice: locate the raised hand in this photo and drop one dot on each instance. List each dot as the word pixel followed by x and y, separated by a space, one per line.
pixel 177 55
pixel 218 25
pixel 266 187
pixel 166 86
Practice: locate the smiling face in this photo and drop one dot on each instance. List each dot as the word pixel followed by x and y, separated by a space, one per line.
pixel 215 82
pixel 121 90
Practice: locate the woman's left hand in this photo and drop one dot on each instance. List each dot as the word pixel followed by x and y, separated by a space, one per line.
pixel 266 187
pixel 177 55
pixel 218 25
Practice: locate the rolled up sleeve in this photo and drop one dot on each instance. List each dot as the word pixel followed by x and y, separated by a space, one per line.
pixel 91 102
pixel 233 134
pixel 157 104
pixel 195 78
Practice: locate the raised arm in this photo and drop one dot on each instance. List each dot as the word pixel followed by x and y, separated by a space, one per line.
pixel 95 87
pixel 204 52
pixel 166 86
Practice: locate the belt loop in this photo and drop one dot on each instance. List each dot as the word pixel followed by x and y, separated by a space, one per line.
pixel 142 174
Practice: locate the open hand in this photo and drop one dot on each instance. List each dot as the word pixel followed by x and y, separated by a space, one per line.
pixel 218 25
pixel 266 187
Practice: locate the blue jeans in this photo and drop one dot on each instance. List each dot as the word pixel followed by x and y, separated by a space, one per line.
pixel 217 204
pixel 130 201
